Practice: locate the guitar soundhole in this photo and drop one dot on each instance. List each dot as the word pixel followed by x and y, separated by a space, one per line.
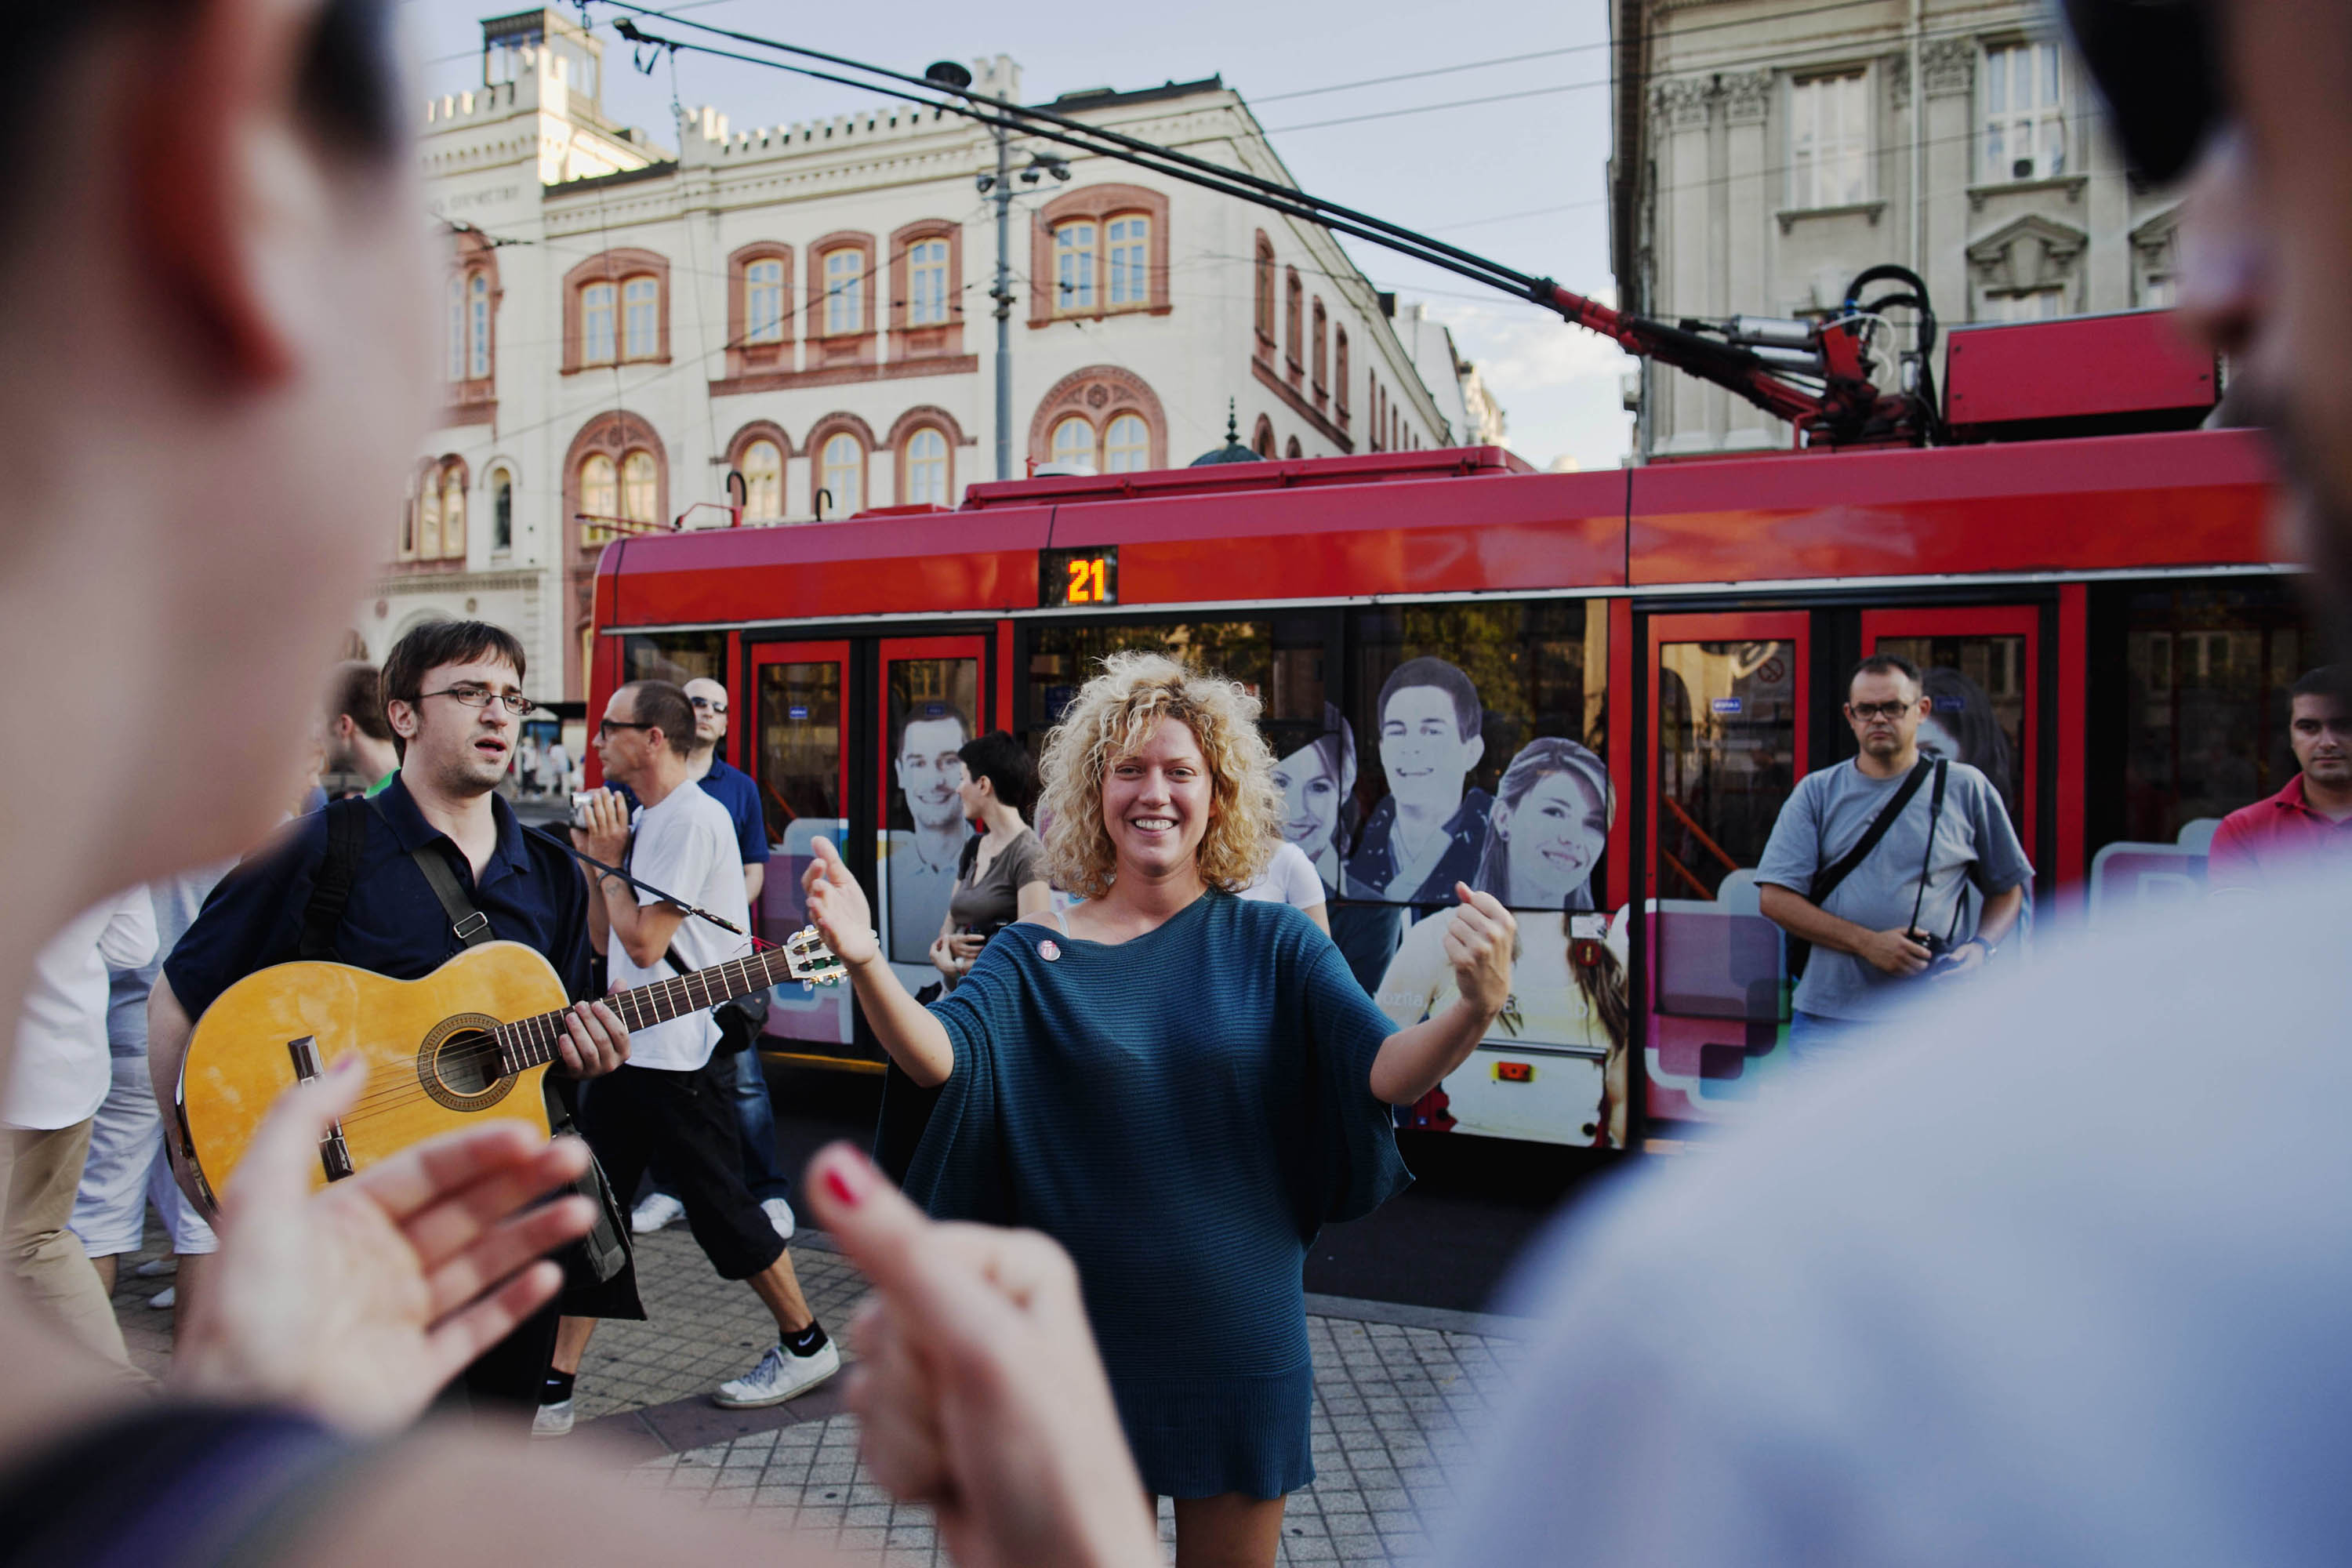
pixel 458 1065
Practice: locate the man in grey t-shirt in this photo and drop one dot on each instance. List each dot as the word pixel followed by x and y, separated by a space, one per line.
pixel 1867 951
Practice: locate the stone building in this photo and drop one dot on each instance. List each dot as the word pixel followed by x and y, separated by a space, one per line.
pixel 795 321
pixel 1768 150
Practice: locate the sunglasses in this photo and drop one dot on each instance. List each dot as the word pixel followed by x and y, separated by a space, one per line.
pixel 2158 65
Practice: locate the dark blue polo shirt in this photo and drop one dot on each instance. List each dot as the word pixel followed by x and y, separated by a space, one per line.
pixel 391 924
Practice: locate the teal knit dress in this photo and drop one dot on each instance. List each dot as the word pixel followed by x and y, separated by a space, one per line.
pixel 1182 1111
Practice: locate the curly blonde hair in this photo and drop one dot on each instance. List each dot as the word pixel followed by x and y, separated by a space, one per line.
pixel 1113 716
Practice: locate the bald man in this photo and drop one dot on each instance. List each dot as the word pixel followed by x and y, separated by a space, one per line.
pixel 730 786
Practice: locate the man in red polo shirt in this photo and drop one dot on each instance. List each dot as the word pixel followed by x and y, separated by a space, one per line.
pixel 2271 839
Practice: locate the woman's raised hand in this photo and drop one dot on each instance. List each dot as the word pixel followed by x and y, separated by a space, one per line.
pixel 1481 941
pixel 837 907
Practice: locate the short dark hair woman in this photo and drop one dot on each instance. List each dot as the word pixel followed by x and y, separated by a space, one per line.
pixel 1178 1085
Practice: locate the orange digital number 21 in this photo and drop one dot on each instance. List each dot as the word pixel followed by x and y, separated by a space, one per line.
pixel 1086 582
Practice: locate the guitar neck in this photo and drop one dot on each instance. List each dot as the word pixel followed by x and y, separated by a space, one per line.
pixel 529 1042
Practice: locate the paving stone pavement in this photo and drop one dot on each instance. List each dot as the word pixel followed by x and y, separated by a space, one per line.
pixel 1399 1391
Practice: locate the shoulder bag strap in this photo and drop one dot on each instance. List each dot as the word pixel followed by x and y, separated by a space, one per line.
pixel 332 889
pixel 1928 859
pixel 1827 881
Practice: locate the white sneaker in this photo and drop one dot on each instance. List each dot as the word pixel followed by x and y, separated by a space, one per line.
pixel 660 1209
pixel 155 1266
pixel 166 1299
pixel 780 1215
pixel 781 1376
pixel 552 1420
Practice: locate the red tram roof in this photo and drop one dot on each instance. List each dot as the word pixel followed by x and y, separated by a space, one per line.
pixel 1476 520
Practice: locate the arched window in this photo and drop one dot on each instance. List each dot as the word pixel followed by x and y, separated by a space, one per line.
pixel 428 518
pixel 926 481
pixel 1262 438
pixel 1074 266
pixel 844 292
pixel 763 302
pixel 599 340
pixel 1339 373
pixel 638 486
pixel 477 326
pixel 1130 250
pixel 456 330
pixel 763 482
pixel 1290 448
pixel 501 511
pixel 452 512
pixel 926 283
pixel 1264 290
pixel 1320 363
pixel 1127 446
pixel 640 305
pixel 600 497
pixel 843 473
pixel 1294 327
pixel 1073 441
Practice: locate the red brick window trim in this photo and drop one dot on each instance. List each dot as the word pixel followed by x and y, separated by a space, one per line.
pixel 1125 256
pixel 842 325
pixel 926 289
pixel 841 454
pixel 1339 376
pixel 1294 345
pixel 1318 362
pixel 598 299
pixel 1265 286
pixel 617 467
pixel 760 315
pixel 761 455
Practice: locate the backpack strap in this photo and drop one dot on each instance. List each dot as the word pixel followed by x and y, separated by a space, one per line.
pixel 466 923
pixel 332 889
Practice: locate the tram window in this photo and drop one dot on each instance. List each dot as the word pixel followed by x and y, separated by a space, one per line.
pixel 1978 686
pixel 1727 741
pixel 2197 708
pixel 1061 658
pixel 675 656
pixel 932 705
pixel 800 745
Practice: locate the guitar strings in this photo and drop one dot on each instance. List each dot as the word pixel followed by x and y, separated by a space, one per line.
pixel 407 1087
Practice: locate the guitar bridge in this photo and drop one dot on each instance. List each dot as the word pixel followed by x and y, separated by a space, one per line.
pixel 333 1152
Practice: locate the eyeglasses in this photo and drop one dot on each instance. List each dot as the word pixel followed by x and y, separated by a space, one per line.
pixel 514 702
pixel 709 704
pixel 1868 710
pixel 604 728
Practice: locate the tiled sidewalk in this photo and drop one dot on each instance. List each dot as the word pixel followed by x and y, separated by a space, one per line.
pixel 1396 1388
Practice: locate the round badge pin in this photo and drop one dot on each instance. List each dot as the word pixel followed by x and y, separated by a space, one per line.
pixel 1049 950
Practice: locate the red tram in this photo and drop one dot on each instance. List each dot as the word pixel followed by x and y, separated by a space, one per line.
pixel 1597 689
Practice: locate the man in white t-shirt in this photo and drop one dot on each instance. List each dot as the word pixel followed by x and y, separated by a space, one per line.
pixel 674 1099
pixel 60 1077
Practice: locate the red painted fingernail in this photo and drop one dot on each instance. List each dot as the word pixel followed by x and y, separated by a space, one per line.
pixel 837 1183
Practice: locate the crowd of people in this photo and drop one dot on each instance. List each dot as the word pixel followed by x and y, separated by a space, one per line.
pixel 1934 1312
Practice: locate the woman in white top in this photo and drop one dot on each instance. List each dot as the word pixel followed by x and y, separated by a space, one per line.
pixel 1290 879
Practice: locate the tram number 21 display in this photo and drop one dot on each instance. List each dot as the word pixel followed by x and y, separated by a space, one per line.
pixel 1074 577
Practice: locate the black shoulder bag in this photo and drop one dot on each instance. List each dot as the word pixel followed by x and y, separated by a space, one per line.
pixel 1826 881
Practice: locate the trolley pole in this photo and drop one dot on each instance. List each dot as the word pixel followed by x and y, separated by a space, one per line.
pixel 1003 295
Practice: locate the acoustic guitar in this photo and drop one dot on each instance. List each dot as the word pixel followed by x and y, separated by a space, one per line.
pixel 471 1039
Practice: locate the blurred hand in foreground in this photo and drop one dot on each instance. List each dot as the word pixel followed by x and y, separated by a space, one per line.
pixel 978 1382
pixel 359 1301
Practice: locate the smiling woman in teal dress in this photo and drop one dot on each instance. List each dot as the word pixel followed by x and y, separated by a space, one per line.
pixel 1180 1086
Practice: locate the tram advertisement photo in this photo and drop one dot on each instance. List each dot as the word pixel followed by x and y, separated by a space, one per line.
pixel 1589 695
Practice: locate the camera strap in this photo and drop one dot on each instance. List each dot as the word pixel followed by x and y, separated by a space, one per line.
pixel 1928 858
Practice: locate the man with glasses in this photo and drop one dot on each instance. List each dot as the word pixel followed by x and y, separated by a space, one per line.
pixel 453 695
pixel 755 1113
pixel 1907 900
pixel 673 1100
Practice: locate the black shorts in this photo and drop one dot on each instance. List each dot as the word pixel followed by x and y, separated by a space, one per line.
pixel 686 1121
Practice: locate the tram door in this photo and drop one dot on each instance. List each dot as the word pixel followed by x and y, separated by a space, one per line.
pixel 1728 728
pixel 930 701
pixel 796 694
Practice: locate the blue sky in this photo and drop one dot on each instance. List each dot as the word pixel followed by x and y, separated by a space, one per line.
pixel 1521 180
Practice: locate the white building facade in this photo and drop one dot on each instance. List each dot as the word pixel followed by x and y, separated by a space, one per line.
pixel 796 322
pixel 1768 150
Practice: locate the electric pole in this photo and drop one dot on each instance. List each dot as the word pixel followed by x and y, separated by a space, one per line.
pixel 1003 295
